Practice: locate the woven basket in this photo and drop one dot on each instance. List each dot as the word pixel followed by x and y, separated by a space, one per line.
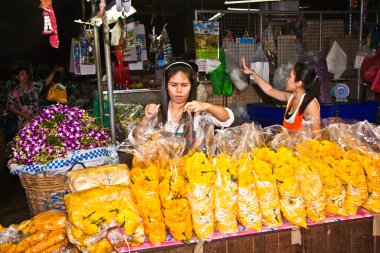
pixel 44 192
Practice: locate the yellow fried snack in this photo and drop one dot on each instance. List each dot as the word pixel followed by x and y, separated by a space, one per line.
pixel 200 174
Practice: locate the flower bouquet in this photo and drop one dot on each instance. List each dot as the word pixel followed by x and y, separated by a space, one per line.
pixel 57 138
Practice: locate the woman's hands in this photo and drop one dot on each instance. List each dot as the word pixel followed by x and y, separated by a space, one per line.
pixel 246 69
pixel 151 111
pixel 196 106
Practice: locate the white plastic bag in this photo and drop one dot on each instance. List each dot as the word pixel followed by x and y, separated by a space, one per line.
pixel 211 65
pixel 336 60
pixel 260 64
pixel 363 52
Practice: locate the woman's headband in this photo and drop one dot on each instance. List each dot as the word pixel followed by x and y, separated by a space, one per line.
pixel 178 63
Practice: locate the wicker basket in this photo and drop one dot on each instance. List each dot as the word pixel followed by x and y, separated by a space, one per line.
pixel 44 192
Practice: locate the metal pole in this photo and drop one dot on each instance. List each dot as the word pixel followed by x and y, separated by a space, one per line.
pixel 320 32
pixel 107 57
pixel 98 64
pixel 360 44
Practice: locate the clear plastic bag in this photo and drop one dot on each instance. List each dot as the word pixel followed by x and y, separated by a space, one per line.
pixel 200 175
pixel 164 52
pixel 91 212
pixel 126 117
pixel 113 174
pixel 260 63
pixel 266 187
pixel 281 76
pixel 172 189
pixel 363 52
pixel 231 144
pixel 292 203
pixel 45 231
pixel 323 155
pixel 248 212
pixel 312 189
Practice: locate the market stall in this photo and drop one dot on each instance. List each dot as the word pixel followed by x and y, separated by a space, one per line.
pixel 244 189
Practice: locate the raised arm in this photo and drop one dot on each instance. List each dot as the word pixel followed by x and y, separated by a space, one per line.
pixel 264 85
pixel 50 77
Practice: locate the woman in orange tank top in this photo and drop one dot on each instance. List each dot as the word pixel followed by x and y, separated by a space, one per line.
pixel 301 93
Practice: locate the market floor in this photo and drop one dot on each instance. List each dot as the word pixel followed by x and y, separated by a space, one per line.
pixel 13 205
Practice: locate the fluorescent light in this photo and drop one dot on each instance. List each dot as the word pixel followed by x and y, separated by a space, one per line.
pixel 241 9
pixel 249 1
pixel 304 7
pixel 217 16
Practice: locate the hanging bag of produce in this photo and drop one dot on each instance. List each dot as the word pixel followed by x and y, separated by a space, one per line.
pixel 164 52
pixel 236 75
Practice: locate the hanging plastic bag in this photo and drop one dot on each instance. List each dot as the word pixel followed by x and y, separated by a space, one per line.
pixel 363 52
pixel 260 63
pixel 268 39
pixel 336 60
pixel 236 75
pixel 228 39
pixel 57 92
pixel 281 76
pixel 217 80
pixel 211 65
pixel 164 53
pixel 220 81
pixel 228 89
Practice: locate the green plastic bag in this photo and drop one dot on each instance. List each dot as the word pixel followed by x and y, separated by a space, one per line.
pixel 228 89
pixel 217 80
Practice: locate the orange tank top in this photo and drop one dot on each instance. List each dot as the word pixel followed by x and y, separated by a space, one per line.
pixel 295 121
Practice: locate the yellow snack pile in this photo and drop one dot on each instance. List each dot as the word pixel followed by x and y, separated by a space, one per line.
pixel 200 176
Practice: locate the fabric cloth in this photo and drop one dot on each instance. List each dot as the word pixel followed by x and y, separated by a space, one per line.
pixel 296 120
pixel 25 101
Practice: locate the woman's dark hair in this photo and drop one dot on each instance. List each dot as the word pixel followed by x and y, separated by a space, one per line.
pixel 170 71
pixel 310 81
pixel 17 71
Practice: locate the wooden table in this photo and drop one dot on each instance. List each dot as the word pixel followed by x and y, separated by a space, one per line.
pixel 337 234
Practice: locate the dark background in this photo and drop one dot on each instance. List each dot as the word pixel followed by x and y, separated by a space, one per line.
pixel 21 25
